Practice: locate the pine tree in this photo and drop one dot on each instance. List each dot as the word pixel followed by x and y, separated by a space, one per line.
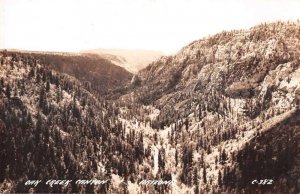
pixel 38 133
pixel 196 190
pixel 58 95
pixel 186 124
pixel 195 177
pixel 1 85
pixel 31 73
pixel 38 77
pixel 220 178
pixel 223 156
pixel 8 91
pixel 42 98
pixel 176 157
pixel 204 174
pixel 47 86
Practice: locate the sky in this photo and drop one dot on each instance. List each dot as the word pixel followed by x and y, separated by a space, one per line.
pixel 165 25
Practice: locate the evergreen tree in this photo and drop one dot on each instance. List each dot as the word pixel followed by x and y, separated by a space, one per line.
pixel 196 190
pixel 220 178
pixel 223 156
pixel 1 85
pixel 42 98
pixel 47 86
pixel 195 177
pixel 204 174
pixel 8 91
pixel 176 157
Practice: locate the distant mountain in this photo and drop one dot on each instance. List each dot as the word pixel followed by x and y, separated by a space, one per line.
pixel 131 60
pixel 95 72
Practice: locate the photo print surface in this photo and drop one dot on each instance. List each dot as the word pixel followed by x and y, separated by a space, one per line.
pixel 149 96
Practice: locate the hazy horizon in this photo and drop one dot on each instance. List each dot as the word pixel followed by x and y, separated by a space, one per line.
pixel 166 25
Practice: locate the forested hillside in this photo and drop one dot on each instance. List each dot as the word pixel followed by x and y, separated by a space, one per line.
pixel 97 74
pixel 53 128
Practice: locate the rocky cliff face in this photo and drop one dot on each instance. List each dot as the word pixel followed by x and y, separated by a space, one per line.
pixel 227 90
pixel 260 64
